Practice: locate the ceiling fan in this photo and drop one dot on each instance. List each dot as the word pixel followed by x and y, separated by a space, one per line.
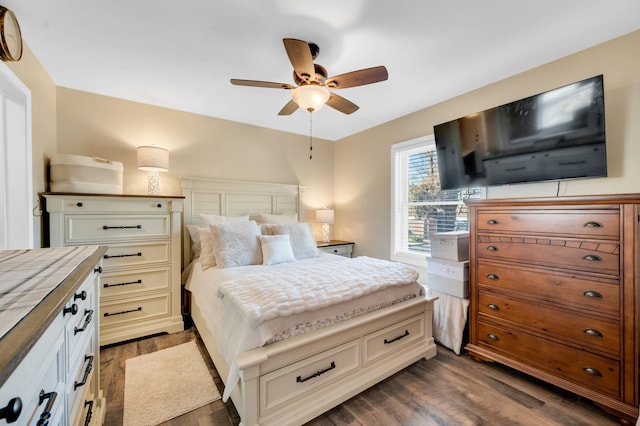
pixel 313 84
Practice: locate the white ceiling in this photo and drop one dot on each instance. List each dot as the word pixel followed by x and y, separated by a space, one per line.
pixel 181 54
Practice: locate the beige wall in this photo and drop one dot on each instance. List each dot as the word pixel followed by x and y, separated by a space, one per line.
pixel 362 162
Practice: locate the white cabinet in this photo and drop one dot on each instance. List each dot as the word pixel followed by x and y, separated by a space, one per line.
pixel 140 284
pixel 338 247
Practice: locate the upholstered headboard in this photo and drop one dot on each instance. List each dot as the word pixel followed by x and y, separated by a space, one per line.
pixel 235 198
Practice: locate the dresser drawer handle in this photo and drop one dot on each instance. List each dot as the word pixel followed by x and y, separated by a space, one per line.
pixel 73 309
pixel 98 270
pixel 592 371
pixel 593 225
pixel 105 285
pixel 105 227
pixel 87 320
pixel 12 411
pixel 591 293
pixel 299 379
pixel 402 336
pixel 79 204
pixel 592 332
pixel 46 413
pixel 493 277
pixel 493 337
pixel 82 295
pixel 87 371
pixel 493 307
pixel 87 419
pixel 113 256
pixel 592 258
pixel 107 314
pixel 492 248
pixel 492 222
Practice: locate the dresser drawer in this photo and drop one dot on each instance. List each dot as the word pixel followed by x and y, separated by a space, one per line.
pixel 140 309
pixel 278 387
pixel 576 291
pixel 341 250
pixel 118 205
pixel 583 256
pixel 587 224
pixel 388 340
pixel 105 228
pixel 584 368
pixel 129 283
pixel 581 329
pixel 136 254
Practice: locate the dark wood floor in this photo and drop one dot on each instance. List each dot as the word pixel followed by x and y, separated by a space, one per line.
pixel 445 390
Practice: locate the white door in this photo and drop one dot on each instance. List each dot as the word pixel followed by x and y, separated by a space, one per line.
pixel 16 189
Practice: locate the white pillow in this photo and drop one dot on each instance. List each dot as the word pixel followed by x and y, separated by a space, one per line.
pixel 207 258
pixel 301 236
pixel 194 233
pixel 278 219
pixel 276 249
pixel 236 244
pixel 213 219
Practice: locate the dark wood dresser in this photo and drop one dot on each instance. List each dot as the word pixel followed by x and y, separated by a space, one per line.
pixel 554 292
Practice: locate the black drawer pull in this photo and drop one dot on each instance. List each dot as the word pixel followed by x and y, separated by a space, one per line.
pixel 493 337
pixel 159 205
pixel 492 248
pixel 87 320
pixel 12 411
pixel 106 256
pixel 493 307
pixel 46 413
pixel 87 419
pixel 593 224
pixel 87 371
pixel 98 270
pixel 105 227
pixel 120 284
pixel 107 314
pixel 73 309
pixel 82 295
pixel 299 379
pixel 591 293
pixel 493 277
pixel 592 258
pixel 592 332
pixel 79 204
pixel 492 222
pixel 592 371
pixel 402 336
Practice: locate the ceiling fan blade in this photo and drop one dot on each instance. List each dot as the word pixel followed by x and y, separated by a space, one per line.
pixel 341 104
pixel 300 57
pixel 358 78
pixel 255 83
pixel 289 108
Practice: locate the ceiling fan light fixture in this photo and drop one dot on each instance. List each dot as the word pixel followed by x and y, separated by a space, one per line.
pixel 310 97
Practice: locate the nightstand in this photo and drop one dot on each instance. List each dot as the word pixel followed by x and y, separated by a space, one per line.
pixel 341 248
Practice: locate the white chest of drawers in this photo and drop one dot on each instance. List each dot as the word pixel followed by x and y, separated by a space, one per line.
pixel 140 284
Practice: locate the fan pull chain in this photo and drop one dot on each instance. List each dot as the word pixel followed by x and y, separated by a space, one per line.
pixel 310 134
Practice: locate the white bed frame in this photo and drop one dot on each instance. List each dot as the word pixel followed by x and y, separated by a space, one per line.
pixel 297 379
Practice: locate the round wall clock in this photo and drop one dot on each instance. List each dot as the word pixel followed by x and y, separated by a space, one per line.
pixel 10 36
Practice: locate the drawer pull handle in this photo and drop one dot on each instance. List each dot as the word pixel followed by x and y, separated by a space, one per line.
pixel 107 256
pixel 402 336
pixel 98 270
pixel 493 277
pixel 120 284
pixel 592 371
pixel 593 224
pixel 591 293
pixel 87 371
pixel 592 258
pixel 79 204
pixel 493 307
pixel 87 419
pixel 87 320
pixel 159 205
pixel 299 379
pixel 492 248
pixel 493 337
pixel 107 314
pixel 12 411
pixel 73 309
pixel 592 332
pixel 82 295
pixel 492 222
pixel 46 413
pixel 105 227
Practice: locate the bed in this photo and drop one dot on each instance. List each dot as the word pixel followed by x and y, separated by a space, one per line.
pixel 294 379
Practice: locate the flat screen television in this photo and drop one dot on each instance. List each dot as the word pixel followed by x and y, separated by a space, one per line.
pixel 558 134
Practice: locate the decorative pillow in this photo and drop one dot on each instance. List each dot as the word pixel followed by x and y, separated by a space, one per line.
pixel 276 249
pixel 278 219
pixel 236 244
pixel 214 219
pixel 207 258
pixel 194 233
pixel 301 236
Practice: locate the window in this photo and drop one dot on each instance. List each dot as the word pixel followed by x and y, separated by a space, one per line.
pixel 419 207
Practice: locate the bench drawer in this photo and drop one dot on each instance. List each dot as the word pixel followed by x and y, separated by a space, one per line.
pixel 390 339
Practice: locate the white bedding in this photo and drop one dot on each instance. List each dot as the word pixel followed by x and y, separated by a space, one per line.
pixel 236 332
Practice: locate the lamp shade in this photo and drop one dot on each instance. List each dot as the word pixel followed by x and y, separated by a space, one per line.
pixel 310 97
pixel 153 159
pixel 324 216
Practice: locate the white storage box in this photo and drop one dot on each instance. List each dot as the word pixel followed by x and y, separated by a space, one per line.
pixel 447 276
pixel 81 174
pixel 450 245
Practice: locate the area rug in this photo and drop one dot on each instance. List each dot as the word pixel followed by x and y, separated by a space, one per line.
pixel 166 384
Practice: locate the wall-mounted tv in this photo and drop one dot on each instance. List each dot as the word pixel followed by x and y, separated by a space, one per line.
pixel 558 134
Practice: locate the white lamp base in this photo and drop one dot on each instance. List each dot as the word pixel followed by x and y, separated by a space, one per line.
pixel 153 183
pixel 325 233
